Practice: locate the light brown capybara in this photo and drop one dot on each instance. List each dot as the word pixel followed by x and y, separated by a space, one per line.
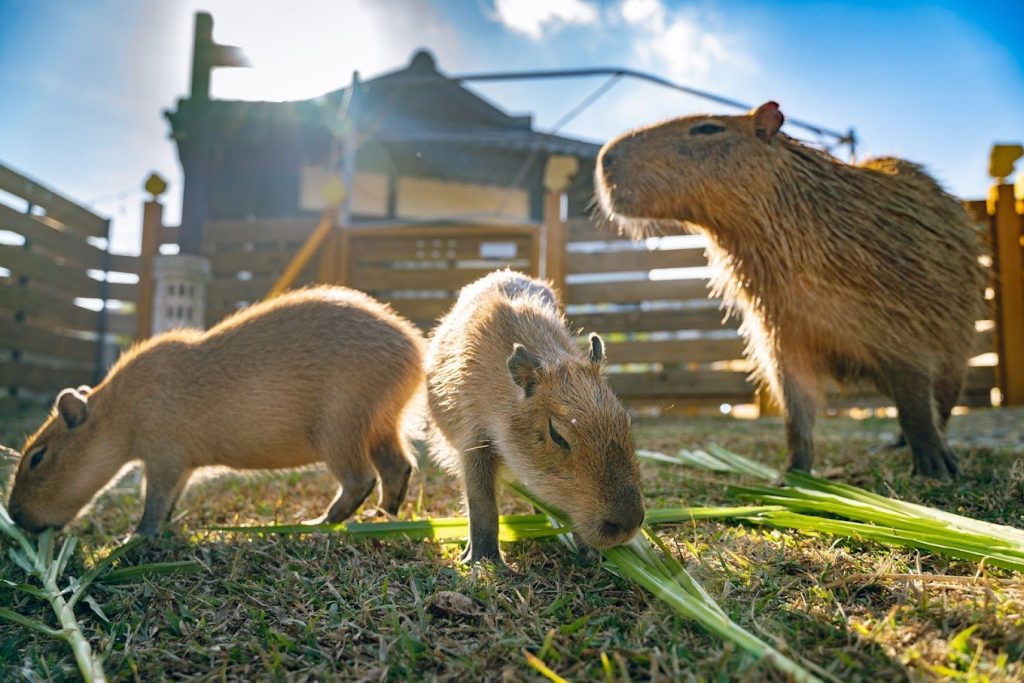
pixel 861 272
pixel 323 374
pixel 508 385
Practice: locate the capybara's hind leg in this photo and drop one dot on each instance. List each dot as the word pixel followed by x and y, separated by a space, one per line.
pixel 912 392
pixel 480 470
pixel 800 399
pixel 349 462
pixel 394 468
pixel 948 383
pixel 165 480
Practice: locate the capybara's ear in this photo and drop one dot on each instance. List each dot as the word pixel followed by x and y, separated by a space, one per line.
pixel 596 348
pixel 84 389
pixel 523 367
pixel 72 407
pixel 767 120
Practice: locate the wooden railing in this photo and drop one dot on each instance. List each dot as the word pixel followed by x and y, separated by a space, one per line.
pixel 668 343
pixel 60 307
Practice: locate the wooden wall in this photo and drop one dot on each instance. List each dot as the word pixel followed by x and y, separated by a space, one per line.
pixel 418 269
pixel 53 257
pixel 668 344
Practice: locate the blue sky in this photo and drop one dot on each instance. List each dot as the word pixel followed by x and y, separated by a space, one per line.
pixel 82 84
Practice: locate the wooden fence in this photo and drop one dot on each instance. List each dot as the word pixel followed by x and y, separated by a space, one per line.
pixel 55 274
pixel 418 269
pixel 669 345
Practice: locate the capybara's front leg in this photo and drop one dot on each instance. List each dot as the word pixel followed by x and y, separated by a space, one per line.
pixel 480 471
pixel 165 480
pixel 800 399
pixel 912 393
pixel 394 469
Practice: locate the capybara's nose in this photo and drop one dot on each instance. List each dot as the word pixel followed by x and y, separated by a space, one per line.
pixel 19 518
pixel 622 527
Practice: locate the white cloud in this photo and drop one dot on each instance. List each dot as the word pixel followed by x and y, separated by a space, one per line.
pixel 682 44
pixel 534 17
pixel 643 12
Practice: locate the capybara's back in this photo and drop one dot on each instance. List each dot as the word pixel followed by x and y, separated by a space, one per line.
pixel 320 374
pixel 859 271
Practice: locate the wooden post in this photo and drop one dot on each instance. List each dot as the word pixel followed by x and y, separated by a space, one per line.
pixel 557 239
pixel 327 268
pixel 152 233
pixel 1008 263
pixel 305 253
pixel 557 175
pixel 343 256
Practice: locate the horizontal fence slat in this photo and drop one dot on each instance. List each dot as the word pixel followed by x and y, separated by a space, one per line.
pixel 48 272
pixel 38 305
pixel 258 261
pixel 226 235
pixel 36 232
pixel 583 230
pixel 980 378
pixel 725 385
pixel 709 318
pixel 44 342
pixel 984 342
pixel 42 377
pixel 639 290
pixel 420 310
pixel 633 260
pixel 372 249
pixel 675 351
pixel 232 289
pixel 124 263
pixel 46 309
pixel 75 217
pixel 390 279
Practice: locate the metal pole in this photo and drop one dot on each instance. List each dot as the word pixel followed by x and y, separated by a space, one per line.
pixel 101 322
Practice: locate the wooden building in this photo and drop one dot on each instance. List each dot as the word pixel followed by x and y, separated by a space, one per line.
pixel 429 149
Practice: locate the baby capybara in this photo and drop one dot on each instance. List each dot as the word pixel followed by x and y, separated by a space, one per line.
pixel 508 385
pixel 861 272
pixel 317 375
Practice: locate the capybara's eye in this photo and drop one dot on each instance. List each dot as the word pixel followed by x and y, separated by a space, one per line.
pixel 556 437
pixel 707 129
pixel 36 458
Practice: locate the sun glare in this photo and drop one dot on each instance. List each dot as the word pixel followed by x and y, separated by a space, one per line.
pixel 310 50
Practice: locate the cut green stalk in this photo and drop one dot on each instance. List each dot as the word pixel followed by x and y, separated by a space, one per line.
pixel 664 576
pixel 38 561
pixel 804 500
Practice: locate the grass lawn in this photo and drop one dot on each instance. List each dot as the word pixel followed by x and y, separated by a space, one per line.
pixel 318 606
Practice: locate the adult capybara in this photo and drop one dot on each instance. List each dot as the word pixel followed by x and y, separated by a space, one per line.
pixel 317 375
pixel 861 272
pixel 508 385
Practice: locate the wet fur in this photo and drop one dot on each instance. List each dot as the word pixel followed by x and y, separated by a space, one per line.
pixel 482 419
pixel 859 272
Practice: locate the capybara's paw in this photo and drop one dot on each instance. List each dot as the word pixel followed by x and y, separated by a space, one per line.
pixel 471 555
pixel 937 464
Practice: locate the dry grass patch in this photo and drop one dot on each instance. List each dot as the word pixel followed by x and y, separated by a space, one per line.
pixel 319 606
